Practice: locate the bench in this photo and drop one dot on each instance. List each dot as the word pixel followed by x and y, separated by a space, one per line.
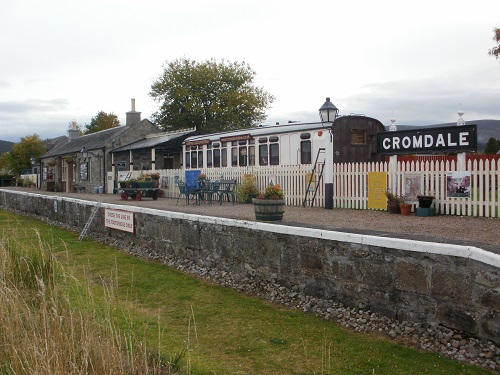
pixel 227 188
pixel 80 188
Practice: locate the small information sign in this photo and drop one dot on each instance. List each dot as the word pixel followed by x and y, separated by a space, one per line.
pixel 377 185
pixel 118 219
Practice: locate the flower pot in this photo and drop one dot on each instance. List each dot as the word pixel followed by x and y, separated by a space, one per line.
pixel 393 207
pixel 269 209
pixel 425 201
pixel 405 208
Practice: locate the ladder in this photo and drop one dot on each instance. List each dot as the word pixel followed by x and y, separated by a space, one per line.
pixel 89 221
pixel 308 189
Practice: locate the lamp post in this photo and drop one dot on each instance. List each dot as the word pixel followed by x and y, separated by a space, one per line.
pixel 33 163
pixel 328 113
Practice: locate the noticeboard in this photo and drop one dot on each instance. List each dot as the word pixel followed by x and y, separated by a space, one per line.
pixel 377 186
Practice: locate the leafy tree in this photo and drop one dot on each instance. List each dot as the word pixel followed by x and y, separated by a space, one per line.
pixel 101 121
pixel 213 96
pixel 492 146
pixel 495 51
pixel 19 158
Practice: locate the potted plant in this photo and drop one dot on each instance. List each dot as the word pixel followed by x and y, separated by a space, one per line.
pixel 405 208
pixel 425 201
pixel 393 202
pixel 270 205
pixel 247 190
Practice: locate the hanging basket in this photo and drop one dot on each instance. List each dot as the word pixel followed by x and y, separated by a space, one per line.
pixel 269 209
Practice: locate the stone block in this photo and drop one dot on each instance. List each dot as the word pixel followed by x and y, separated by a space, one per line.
pixel 411 277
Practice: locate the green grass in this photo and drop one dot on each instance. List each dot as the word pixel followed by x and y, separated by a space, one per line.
pixel 206 329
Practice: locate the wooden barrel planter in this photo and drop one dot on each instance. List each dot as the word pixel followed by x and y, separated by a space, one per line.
pixel 269 209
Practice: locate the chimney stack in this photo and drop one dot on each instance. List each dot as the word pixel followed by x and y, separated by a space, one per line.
pixel 133 116
pixel 73 130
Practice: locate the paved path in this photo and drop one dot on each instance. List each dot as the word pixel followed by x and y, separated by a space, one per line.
pixel 471 231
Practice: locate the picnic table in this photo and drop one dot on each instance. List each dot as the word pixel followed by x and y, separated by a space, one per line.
pixel 139 193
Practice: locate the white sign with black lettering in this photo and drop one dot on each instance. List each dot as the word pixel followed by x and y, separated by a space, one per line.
pixel 118 219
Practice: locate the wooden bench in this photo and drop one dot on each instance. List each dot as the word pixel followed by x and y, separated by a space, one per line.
pixel 227 188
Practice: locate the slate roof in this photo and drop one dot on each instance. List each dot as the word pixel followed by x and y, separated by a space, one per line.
pixel 91 142
pixel 171 141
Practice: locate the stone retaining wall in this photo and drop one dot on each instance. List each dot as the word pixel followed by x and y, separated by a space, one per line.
pixel 457 286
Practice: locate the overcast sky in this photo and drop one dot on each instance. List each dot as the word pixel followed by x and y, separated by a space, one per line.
pixel 419 62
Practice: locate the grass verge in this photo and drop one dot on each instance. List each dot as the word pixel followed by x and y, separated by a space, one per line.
pixel 205 329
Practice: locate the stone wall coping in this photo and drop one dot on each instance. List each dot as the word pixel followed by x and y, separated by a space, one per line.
pixel 467 252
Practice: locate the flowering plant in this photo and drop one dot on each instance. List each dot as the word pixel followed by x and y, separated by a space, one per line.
pixel 272 192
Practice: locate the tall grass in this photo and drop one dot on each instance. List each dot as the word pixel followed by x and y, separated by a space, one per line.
pixel 50 324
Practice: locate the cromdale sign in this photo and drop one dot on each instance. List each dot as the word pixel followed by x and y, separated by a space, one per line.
pixel 418 141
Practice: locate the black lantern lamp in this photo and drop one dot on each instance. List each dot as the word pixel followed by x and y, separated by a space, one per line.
pixel 328 112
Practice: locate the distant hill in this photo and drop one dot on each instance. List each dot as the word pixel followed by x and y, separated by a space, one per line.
pixel 6 146
pixel 486 129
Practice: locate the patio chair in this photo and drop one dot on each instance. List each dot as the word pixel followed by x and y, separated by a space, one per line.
pixel 187 191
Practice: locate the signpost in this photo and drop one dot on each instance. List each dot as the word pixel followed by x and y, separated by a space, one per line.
pixel 427 140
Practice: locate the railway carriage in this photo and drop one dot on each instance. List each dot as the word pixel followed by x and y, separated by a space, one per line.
pixel 288 144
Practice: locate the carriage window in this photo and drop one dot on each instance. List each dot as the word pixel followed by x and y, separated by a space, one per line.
pixel 305 152
pixel 305 136
pixel 188 160
pixel 251 155
pixel 263 155
pixel 194 159
pixel 274 153
pixel 223 157
pixel 274 139
pixel 216 158
pixel 358 137
pixel 243 156
pixel 200 159
pixel 234 157
pixel 263 140
pixel 209 158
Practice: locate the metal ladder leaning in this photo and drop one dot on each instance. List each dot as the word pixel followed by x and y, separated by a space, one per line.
pixel 89 221
pixel 308 190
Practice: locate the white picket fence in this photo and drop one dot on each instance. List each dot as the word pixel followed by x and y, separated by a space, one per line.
pixel 351 183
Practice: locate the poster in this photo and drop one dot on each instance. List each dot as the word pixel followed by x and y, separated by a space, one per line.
pixel 84 171
pixel 412 187
pixel 311 181
pixel 377 186
pixel 458 184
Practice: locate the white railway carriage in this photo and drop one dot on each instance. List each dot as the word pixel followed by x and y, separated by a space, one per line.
pixel 289 144
pixel 354 140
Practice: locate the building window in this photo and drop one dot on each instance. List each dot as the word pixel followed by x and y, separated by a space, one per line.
pixel 305 152
pixel 358 137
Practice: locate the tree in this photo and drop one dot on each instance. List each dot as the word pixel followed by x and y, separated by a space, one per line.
pixel 101 121
pixel 495 51
pixel 213 96
pixel 19 158
pixel 492 146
